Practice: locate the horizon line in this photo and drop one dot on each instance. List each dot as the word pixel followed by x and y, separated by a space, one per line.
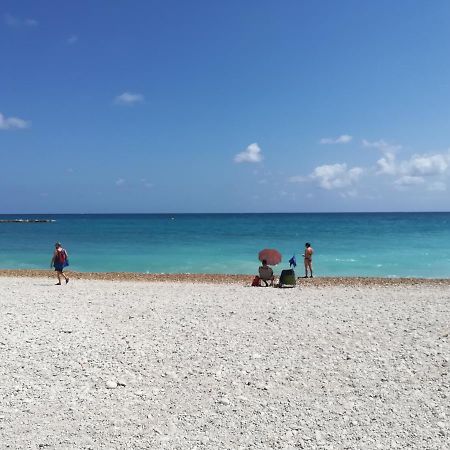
pixel 221 213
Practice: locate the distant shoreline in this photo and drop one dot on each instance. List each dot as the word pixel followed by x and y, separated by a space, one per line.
pixel 224 278
pixel 27 220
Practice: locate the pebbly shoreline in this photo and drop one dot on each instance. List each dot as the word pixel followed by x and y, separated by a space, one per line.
pixel 226 279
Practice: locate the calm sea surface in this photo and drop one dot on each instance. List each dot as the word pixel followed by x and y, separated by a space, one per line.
pixel 379 244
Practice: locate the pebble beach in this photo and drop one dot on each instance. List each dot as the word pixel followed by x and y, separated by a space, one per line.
pixel 189 361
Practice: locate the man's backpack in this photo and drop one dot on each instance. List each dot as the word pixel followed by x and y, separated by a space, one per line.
pixel 61 258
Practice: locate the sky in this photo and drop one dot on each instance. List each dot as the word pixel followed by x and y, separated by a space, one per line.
pixel 224 106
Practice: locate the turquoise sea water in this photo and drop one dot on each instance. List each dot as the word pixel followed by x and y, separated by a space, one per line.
pixel 372 244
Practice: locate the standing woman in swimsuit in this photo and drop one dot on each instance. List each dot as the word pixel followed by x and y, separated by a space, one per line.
pixel 308 259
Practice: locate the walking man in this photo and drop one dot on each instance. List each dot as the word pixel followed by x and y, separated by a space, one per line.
pixel 60 260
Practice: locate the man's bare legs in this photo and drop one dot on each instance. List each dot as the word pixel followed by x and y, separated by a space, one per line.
pixel 308 265
pixel 61 274
pixel 310 269
pixel 308 259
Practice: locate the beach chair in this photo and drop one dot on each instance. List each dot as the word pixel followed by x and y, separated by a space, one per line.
pixel 287 278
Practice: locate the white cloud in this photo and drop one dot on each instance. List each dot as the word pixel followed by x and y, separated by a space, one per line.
pixel 72 39
pixel 336 176
pixel 12 123
pixel 407 180
pixel 343 139
pixel 425 169
pixel 387 165
pixel 413 171
pixel 381 145
pixel 417 166
pixel 128 98
pixel 426 165
pixel 332 176
pixel 429 170
pixel 13 21
pixel 252 154
pixel 120 182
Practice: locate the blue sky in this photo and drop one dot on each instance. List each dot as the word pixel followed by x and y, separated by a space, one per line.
pixel 201 106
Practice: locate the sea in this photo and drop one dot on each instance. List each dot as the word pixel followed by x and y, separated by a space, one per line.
pixel 345 244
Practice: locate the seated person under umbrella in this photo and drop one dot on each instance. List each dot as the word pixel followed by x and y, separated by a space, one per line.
pixel 266 273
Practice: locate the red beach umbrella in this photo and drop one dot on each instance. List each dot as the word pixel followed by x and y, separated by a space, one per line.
pixel 272 256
